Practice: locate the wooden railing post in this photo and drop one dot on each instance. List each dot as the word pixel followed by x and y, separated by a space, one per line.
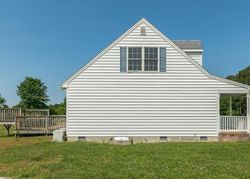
pixel 17 125
pixel 46 125
pixel 20 112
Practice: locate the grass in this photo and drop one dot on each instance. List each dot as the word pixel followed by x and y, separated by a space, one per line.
pixel 38 157
pixel 3 131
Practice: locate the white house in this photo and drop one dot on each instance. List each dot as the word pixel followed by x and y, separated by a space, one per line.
pixel 149 88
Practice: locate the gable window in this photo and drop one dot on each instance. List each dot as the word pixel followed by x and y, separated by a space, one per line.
pixel 143 59
pixel 135 59
pixel 150 59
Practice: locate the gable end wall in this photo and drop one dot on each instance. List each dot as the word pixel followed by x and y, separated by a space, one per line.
pixel 102 101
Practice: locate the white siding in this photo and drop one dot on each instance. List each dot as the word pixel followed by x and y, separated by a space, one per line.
pixel 197 56
pixel 102 101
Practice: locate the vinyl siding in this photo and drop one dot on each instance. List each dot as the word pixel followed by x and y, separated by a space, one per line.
pixel 196 56
pixel 102 101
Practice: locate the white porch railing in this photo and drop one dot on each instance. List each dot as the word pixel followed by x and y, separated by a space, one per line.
pixel 233 123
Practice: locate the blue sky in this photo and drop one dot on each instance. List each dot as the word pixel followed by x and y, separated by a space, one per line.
pixel 51 39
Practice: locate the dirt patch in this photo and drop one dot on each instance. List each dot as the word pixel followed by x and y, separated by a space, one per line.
pixel 233 136
pixel 6 142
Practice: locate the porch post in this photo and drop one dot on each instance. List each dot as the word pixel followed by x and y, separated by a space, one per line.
pixel 248 112
pixel 230 105
pixel 218 113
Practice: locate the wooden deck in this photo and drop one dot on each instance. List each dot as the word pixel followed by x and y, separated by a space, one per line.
pixel 39 124
pixel 31 121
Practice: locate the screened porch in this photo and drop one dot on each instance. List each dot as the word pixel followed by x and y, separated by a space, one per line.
pixel 234 109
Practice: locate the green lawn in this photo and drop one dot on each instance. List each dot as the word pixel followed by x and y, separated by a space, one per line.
pixel 37 157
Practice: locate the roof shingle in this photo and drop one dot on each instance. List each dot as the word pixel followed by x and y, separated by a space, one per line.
pixel 188 44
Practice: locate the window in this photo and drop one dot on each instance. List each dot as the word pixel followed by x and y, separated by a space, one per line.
pixel 163 138
pixel 143 59
pixel 80 138
pixel 135 59
pixel 151 59
pixel 203 138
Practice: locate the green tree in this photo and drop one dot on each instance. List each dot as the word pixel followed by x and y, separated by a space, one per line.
pixel 58 109
pixel 32 93
pixel 242 76
pixel 239 107
pixel 238 102
pixel 2 102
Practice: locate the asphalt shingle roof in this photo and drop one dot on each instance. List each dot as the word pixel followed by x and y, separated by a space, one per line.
pixel 188 44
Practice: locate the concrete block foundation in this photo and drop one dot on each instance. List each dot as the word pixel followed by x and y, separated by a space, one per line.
pixel 144 139
pixel 72 139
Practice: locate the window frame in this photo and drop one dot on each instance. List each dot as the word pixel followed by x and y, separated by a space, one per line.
pixel 127 59
pixel 143 59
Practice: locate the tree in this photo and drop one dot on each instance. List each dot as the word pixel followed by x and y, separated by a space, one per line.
pixel 243 76
pixel 239 107
pixel 58 109
pixel 238 102
pixel 32 93
pixel 2 102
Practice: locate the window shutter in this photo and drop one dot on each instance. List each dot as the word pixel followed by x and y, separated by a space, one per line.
pixel 163 59
pixel 123 59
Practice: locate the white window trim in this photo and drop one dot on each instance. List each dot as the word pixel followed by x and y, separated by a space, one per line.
pixel 143 57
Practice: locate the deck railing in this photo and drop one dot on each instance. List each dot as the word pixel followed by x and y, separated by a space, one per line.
pixel 36 112
pixel 8 115
pixel 233 123
pixel 39 124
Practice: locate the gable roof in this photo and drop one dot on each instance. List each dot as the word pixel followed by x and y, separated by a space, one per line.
pixel 143 20
pixel 188 44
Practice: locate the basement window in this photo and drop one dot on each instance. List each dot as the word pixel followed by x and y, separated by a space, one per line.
pixel 203 138
pixel 163 138
pixel 81 138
